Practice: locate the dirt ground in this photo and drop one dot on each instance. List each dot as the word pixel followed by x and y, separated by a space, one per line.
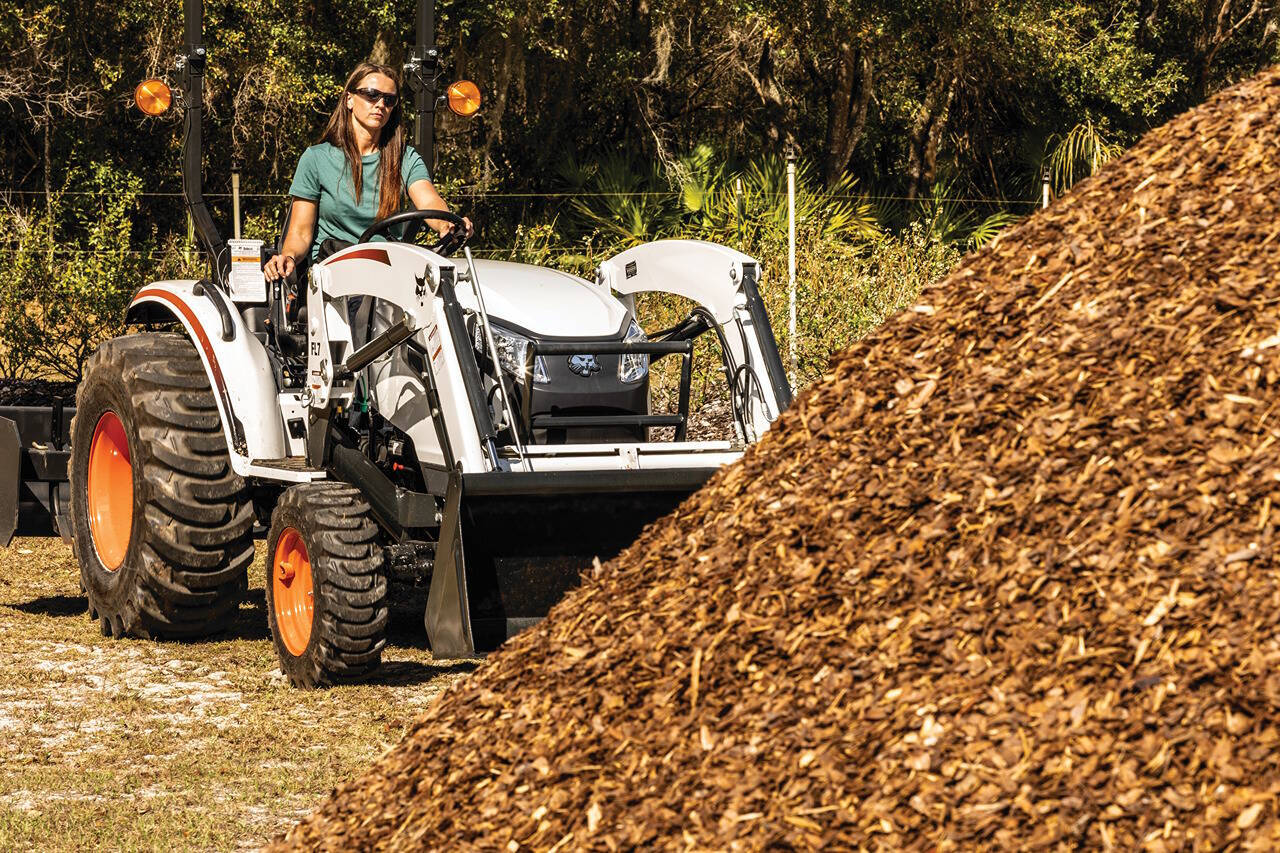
pixel 126 745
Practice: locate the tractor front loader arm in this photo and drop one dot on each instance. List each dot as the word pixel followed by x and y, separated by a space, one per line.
pixel 725 283
pixel 417 285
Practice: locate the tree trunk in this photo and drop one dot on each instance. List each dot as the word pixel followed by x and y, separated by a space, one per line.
pixel 48 161
pixel 846 111
pixel 1216 29
pixel 386 49
pixel 1204 44
pixel 770 93
pixel 501 86
pixel 926 132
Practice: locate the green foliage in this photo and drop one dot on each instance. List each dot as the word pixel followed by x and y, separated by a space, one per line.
pixel 944 216
pixel 625 203
pixel 67 274
pixel 1081 152
pixel 735 205
pixel 989 228
pixel 843 292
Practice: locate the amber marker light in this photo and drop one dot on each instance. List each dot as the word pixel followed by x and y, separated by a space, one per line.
pixel 464 98
pixel 153 97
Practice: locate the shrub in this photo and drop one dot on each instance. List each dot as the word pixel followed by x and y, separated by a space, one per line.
pixel 67 272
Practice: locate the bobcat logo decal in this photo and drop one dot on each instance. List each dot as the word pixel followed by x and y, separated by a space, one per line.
pixel 584 365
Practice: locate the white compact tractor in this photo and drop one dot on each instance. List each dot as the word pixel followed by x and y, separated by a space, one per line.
pixel 480 426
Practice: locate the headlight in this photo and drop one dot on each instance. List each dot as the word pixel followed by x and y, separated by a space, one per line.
pixel 512 350
pixel 633 367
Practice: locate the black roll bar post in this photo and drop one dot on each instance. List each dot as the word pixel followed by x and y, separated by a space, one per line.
pixel 191 64
pixel 420 73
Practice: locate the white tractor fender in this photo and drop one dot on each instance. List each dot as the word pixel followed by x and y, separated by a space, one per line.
pixel 234 359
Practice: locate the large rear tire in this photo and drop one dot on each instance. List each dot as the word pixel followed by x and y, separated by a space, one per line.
pixel 161 525
pixel 326 585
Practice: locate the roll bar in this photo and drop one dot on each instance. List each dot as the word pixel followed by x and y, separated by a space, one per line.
pixel 420 75
pixel 191 65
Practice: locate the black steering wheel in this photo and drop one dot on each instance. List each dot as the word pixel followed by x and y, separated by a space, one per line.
pixel 446 245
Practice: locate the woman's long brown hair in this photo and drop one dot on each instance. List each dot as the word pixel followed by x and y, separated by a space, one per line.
pixel 338 132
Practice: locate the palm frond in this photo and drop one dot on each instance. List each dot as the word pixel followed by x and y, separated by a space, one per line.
pixel 1080 153
pixel 992 226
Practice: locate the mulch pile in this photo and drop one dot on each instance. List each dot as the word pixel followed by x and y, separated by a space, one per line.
pixel 1005 578
pixel 35 392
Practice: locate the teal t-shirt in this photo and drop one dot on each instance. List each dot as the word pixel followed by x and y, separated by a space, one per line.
pixel 324 177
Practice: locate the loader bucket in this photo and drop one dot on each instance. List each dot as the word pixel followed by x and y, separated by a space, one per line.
pixel 512 544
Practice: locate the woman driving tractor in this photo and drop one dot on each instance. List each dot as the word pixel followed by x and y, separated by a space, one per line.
pixel 357 174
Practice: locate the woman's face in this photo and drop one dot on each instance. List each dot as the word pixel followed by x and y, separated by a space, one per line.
pixel 371 115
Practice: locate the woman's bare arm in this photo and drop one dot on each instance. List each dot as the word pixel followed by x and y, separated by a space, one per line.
pixel 425 196
pixel 302 229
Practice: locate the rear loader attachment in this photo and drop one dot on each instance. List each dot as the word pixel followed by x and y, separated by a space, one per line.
pixel 513 543
pixel 34 492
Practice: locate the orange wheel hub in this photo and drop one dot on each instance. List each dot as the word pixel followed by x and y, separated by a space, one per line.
pixel 292 591
pixel 110 489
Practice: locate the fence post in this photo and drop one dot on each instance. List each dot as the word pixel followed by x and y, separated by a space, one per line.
pixel 740 209
pixel 235 197
pixel 791 263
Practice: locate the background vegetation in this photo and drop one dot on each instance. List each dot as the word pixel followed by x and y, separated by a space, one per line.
pixel 921 128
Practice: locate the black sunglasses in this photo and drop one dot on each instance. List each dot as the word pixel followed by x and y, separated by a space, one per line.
pixel 374 95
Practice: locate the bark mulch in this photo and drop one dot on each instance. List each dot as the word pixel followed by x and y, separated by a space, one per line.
pixel 35 392
pixel 1005 578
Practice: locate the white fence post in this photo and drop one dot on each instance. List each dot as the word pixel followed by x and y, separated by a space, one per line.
pixel 235 198
pixel 791 263
pixel 740 210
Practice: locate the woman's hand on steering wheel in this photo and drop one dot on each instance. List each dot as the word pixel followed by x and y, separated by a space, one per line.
pixel 468 229
pixel 459 231
pixel 453 238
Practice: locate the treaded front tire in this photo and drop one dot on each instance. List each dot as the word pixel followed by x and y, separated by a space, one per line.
pixel 326 585
pixel 164 538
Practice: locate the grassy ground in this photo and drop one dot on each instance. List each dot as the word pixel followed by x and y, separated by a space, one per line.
pixel 129 744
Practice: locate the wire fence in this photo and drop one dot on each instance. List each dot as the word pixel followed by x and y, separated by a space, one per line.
pixel 485 194
pixel 473 196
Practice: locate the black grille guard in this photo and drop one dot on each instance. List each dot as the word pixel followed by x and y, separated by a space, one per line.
pixel 680 420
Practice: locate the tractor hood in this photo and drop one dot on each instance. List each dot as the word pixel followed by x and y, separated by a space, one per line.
pixel 546 302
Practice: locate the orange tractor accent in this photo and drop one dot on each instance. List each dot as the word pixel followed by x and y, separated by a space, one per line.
pixel 110 491
pixel 293 591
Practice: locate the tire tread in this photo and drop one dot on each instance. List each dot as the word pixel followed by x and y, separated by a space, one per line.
pixel 198 540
